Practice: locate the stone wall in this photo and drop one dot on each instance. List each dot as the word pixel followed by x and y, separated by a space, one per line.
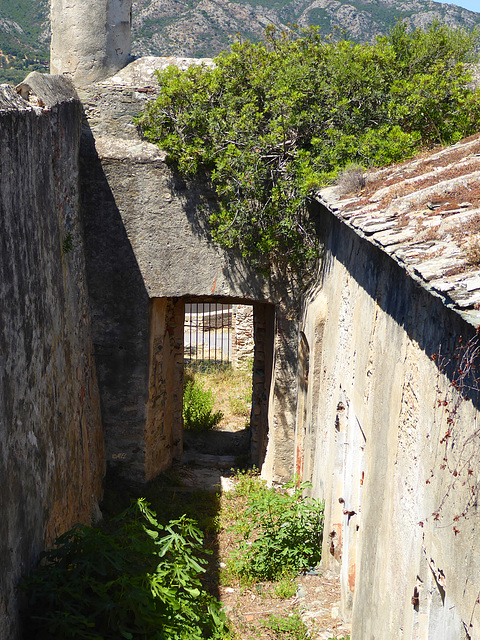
pixel 121 317
pixel 51 444
pixel 262 388
pixel 243 344
pixel 164 423
pixel 148 243
pixel 401 514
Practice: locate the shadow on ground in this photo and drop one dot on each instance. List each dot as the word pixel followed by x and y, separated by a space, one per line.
pixel 191 487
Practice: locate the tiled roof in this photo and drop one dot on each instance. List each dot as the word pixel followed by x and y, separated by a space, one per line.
pixel 425 213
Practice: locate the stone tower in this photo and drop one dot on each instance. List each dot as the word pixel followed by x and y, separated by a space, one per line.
pixel 91 39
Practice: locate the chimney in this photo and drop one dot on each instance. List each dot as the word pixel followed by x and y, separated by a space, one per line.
pixel 91 39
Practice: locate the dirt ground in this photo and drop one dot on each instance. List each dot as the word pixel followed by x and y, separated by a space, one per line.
pixel 316 597
pixel 316 600
pixel 208 465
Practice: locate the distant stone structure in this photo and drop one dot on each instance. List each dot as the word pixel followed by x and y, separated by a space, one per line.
pixel 91 39
pixel 243 343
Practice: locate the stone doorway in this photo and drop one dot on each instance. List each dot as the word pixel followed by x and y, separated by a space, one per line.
pixel 164 432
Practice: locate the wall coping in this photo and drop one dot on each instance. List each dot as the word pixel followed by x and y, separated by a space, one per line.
pixel 425 214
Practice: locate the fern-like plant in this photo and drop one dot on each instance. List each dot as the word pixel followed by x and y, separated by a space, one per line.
pixel 135 580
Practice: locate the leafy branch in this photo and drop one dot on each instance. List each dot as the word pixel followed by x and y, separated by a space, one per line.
pixel 135 579
pixel 270 123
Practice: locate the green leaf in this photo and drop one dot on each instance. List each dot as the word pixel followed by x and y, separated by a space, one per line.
pixel 275 121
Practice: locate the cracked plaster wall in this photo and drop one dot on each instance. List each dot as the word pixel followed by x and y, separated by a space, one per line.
pixel 374 427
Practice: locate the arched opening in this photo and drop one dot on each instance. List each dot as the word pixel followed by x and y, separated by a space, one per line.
pixel 302 406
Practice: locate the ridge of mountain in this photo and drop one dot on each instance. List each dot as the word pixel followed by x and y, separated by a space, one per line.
pixel 204 28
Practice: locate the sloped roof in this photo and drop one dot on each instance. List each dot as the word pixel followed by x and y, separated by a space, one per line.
pixel 425 213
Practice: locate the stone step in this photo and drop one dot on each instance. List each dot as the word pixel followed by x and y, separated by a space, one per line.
pixel 197 459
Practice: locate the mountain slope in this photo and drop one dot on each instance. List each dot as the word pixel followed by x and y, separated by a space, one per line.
pixel 203 28
pixel 23 38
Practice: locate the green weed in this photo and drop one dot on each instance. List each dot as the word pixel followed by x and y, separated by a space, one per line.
pixel 287 628
pixel 168 498
pixel 67 244
pixel 286 587
pixel 198 414
pixel 279 531
pixel 248 483
pixel 208 367
pixel 240 405
pixel 231 388
pixel 136 580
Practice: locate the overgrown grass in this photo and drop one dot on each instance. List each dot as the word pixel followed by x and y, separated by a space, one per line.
pixel 279 532
pixel 198 413
pixel 286 586
pixel 240 405
pixel 231 389
pixel 288 628
pixel 141 566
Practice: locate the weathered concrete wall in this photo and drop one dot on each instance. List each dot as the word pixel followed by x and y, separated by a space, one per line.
pixel 148 239
pixel 120 320
pixel 401 519
pixel 263 396
pixel 279 464
pixel 51 445
pixel 91 39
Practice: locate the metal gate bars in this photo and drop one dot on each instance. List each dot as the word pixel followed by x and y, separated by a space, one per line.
pixel 208 332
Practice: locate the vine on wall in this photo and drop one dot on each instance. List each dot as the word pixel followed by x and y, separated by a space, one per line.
pixel 460 452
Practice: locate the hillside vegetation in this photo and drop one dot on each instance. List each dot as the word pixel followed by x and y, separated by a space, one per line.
pixel 204 28
pixel 273 122
pixel 23 38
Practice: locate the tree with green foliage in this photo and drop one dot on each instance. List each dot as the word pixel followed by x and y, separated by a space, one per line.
pixel 270 123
